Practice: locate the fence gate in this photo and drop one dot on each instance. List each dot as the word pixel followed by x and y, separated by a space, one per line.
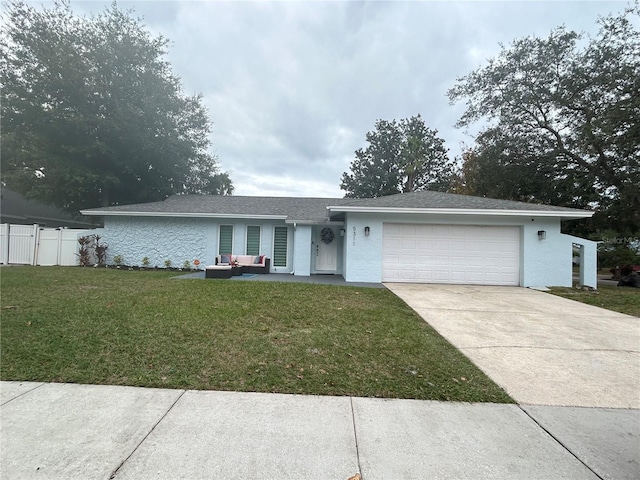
pixel 48 247
pixel 22 243
pixel 68 246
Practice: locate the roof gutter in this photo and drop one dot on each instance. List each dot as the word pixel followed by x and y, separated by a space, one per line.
pixel 568 214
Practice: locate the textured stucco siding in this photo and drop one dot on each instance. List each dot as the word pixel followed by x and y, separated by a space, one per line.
pixel 159 239
pixel 363 254
pixel 588 260
pixel 542 262
pixel 180 239
pixel 302 250
pixel 545 262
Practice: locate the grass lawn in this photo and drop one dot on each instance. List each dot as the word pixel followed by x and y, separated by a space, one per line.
pixel 100 326
pixel 619 299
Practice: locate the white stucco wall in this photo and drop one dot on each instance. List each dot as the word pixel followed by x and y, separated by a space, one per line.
pixel 159 239
pixel 363 254
pixel 302 250
pixel 588 261
pixel 543 262
pixel 548 262
pixel 180 239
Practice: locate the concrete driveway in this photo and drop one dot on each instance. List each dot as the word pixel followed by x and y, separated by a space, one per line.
pixel 542 349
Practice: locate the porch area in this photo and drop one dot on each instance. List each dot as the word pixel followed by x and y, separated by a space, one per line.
pixel 286 277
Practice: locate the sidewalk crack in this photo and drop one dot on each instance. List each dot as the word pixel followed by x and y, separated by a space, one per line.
pixel 355 437
pixel 560 443
pixel 115 472
pixel 22 394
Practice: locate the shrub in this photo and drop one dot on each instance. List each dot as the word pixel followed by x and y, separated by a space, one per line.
pixel 84 253
pixel 100 249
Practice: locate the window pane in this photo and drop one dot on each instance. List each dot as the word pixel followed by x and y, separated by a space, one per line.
pixel 280 246
pixel 253 240
pixel 225 245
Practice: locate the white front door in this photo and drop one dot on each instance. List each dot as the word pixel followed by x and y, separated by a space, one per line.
pixel 326 250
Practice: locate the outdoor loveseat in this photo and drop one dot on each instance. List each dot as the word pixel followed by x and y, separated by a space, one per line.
pixel 228 265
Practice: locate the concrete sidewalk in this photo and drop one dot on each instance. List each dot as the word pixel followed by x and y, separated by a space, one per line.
pixel 81 431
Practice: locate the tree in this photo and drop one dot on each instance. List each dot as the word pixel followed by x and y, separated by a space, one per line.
pixel 509 168
pixel 403 156
pixel 565 122
pixel 93 116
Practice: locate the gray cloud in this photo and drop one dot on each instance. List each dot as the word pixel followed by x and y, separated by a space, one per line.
pixel 293 87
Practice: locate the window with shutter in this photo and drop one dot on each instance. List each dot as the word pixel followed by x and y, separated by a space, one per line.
pixel 225 245
pixel 280 246
pixel 253 240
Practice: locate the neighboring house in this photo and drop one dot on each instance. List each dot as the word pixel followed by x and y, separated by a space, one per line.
pixel 19 210
pixel 426 237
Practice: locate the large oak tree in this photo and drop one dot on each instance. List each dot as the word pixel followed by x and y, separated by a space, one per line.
pixel 401 157
pixel 564 122
pixel 92 114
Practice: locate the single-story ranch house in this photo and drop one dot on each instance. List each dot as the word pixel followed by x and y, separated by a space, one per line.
pixel 425 237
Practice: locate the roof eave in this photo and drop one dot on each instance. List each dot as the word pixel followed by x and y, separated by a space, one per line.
pixel 564 214
pixel 314 222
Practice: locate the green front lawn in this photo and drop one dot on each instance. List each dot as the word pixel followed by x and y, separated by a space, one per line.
pixel 619 299
pixel 106 326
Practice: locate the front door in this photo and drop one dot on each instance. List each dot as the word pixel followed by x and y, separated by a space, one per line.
pixel 326 251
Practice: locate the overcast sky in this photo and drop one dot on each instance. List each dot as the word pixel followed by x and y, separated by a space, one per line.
pixel 292 88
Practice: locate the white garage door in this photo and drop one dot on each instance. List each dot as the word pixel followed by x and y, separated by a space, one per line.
pixel 451 254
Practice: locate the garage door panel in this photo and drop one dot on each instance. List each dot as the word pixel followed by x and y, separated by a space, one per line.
pixel 392 273
pixel 407 261
pixel 404 230
pixel 441 276
pixel 424 260
pixel 451 254
pixel 458 244
pixel 407 244
pixel 421 230
pixel 424 244
pixel 458 261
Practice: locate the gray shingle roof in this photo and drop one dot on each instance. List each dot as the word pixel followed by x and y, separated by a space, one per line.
pixel 429 199
pixel 314 210
pixel 311 210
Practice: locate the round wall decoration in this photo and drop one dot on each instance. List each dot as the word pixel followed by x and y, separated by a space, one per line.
pixel 327 235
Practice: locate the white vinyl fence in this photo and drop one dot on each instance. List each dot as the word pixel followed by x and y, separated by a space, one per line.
pixel 33 245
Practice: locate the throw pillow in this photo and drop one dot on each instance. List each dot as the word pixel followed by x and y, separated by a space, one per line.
pixel 225 258
pixel 257 260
